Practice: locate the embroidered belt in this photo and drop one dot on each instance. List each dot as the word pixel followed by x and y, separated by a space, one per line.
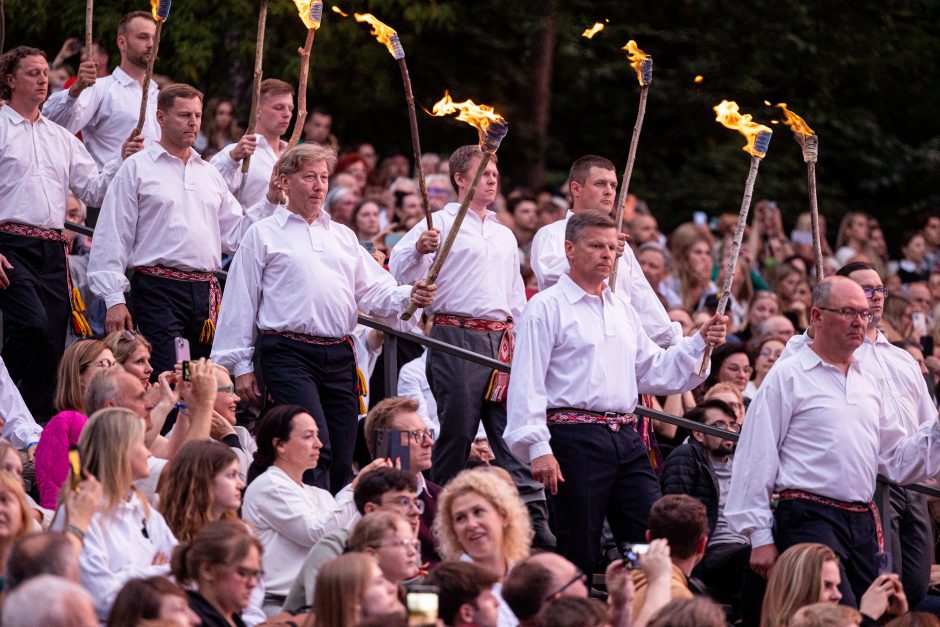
pixel 855 508
pixel 79 322
pixel 571 416
pixel 498 386
pixel 215 293
pixel 362 384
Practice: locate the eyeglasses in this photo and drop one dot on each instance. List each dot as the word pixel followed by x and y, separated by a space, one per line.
pixel 104 364
pixel 579 577
pixel 437 192
pixel 404 501
pixel 420 436
pixel 871 291
pixel 248 573
pixel 849 315
pixel 226 388
pixel 727 426
pixel 401 544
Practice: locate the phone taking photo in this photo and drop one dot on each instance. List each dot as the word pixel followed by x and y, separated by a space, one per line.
pixel 422 603
pixel 394 444
pixel 183 356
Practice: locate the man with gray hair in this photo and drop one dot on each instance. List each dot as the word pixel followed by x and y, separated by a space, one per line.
pixel 817 434
pixel 38 554
pixel 294 291
pixel 49 601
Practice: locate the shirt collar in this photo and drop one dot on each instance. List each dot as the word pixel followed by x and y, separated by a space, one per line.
pixel 809 359
pixel 452 207
pixel 156 149
pixel 8 112
pixel 422 483
pixel 573 291
pixel 282 215
pixel 121 76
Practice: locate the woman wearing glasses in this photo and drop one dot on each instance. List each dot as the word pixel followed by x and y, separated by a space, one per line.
pixel 482 519
pixel 289 517
pixel 390 539
pixel 222 564
pixel 81 361
pixel 765 352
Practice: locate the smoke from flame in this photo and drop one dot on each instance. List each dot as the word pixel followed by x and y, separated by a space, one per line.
pixel 729 117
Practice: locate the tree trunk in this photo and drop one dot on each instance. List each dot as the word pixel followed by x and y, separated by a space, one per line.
pixel 537 108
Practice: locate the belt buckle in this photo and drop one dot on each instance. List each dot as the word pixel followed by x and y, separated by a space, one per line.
pixel 614 420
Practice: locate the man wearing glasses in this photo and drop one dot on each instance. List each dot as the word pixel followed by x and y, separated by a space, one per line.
pixel 824 423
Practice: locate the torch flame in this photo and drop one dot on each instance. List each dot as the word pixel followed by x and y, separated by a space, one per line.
pixel 698 79
pixel 590 32
pixel 795 122
pixel 729 117
pixel 637 58
pixel 382 32
pixel 336 9
pixel 478 116
pixel 310 12
pixel 160 9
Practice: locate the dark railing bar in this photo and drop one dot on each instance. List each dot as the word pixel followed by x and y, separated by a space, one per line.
pixel 80 228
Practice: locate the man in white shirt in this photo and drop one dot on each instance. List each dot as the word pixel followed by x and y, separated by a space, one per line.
pixel 19 427
pixel 593 185
pixel 40 163
pixel 294 290
pixel 819 430
pixel 168 215
pixel 264 146
pixel 580 357
pixel 480 294
pixel 106 110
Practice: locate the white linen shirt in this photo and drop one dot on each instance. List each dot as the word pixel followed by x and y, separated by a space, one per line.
pixel 289 519
pixel 480 277
pixel 116 550
pixel 19 427
pixel 549 264
pixel 413 384
pixel 105 113
pixel 40 163
pixel 160 211
pixel 810 427
pixel 289 275
pixel 578 350
pixel 259 171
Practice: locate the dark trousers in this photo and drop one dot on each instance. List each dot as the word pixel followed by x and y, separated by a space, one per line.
pixel 852 537
pixel 908 537
pixel 36 311
pixel 322 379
pixel 725 569
pixel 165 309
pixel 458 386
pixel 608 474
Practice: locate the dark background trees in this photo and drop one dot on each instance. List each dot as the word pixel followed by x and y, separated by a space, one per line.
pixel 863 74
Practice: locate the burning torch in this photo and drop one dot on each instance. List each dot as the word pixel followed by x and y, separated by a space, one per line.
pixel 758 140
pixel 311 14
pixel 256 88
pixel 809 143
pixel 160 9
pixel 492 128
pixel 643 64
pixel 388 36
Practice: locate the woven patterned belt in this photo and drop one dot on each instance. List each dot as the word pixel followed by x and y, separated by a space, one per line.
pixel 215 292
pixel 474 324
pixel 570 416
pixel 79 323
pixel 855 508
pixel 310 339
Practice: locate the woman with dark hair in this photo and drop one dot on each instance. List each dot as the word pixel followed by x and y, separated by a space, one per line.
pixel 289 517
pixel 219 129
pixel 730 364
pixel 220 567
pixel 764 353
pixel 157 599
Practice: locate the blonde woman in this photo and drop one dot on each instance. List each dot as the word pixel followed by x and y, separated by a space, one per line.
pixel 126 538
pixel 481 519
pixel 351 588
pixel 15 516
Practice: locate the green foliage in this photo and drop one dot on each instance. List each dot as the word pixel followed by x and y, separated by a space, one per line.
pixel 862 74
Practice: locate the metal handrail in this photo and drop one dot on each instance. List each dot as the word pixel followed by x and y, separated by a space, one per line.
pixel 390 357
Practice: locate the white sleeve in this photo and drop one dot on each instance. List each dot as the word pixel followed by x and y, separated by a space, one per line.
pixel 230 169
pixel 114 237
pixel 667 370
pixel 73 114
pixel 376 291
pixel 526 431
pixel 85 181
pixel 754 473
pixel 656 322
pixel 236 331
pixel 405 263
pixel 286 512
pixel 547 258
pixel 19 426
pixel 916 456
pixel 234 220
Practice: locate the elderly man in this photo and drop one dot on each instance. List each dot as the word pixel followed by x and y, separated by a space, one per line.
pixel 820 400
pixel 580 357
pixel 49 601
pixel 294 291
pixel 778 327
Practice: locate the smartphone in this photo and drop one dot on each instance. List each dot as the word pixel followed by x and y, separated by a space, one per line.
pixel 368 244
pixel 700 218
pixel 393 238
pixel 183 355
pixel 926 345
pixel 394 444
pixel 632 554
pixel 920 323
pixel 75 467
pixel 884 563
pixel 422 603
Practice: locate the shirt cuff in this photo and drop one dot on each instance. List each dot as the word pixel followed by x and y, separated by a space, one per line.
pixel 539 449
pixel 243 367
pixel 114 299
pixel 761 537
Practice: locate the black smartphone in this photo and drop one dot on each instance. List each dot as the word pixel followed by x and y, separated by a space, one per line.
pixel 368 244
pixel 394 444
pixel 926 345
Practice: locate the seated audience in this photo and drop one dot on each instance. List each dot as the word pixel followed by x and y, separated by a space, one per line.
pixel 152 599
pixel 765 351
pixel 37 554
pixel 826 615
pixel 224 427
pixel 351 588
pixel 730 364
pixel 15 517
pixel 49 601
pixel 465 594
pixel 694 612
pixel 569 611
pixel 390 539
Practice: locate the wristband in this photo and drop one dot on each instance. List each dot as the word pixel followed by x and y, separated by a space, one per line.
pixel 78 533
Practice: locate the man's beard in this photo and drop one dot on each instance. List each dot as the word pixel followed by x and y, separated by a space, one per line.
pixel 141 60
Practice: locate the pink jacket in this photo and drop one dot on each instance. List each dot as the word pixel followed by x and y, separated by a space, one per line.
pixel 52 454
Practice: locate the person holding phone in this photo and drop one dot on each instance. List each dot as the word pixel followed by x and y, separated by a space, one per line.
pixel 293 293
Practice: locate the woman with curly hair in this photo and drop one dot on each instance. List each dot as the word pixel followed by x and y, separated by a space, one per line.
pixel 481 519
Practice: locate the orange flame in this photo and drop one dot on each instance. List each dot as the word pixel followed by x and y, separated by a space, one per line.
pixel 382 32
pixel 729 117
pixel 698 79
pixel 160 9
pixel 336 9
pixel 637 57
pixel 478 116
pixel 310 12
pixel 590 32
pixel 795 122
